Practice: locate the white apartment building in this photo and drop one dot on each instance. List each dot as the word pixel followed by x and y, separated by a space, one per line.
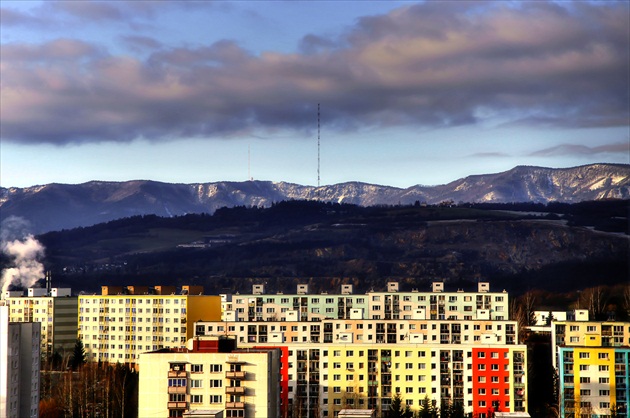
pixel 19 367
pixel 55 310
pixel 390 304
pixel 363 331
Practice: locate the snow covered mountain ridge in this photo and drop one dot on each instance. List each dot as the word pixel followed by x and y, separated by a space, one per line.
pixel 61 206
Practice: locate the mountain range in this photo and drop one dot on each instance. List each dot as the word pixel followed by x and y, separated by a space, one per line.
pixel 63 206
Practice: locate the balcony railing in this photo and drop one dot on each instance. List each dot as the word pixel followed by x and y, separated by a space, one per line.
pixel 235 405
pixel 176 373
pixel 177 405
pixel 235 375
pixel 239 390
pixel 177 389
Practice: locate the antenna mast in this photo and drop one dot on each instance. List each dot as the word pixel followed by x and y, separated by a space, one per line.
pixel 317 148
pixel 249 177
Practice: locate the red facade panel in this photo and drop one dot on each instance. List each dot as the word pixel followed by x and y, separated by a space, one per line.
pixel 491 380
pixel 284 376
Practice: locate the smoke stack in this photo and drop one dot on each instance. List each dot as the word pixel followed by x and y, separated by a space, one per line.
pixel 48 283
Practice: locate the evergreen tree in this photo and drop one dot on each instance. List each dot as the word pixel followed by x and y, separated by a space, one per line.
pixel 396 408
pixel 78 355
pixel 427 409
pixel 445 408
pixel 457 410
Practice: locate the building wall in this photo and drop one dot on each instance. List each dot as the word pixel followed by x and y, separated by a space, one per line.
pixel 117 328
pixel 592 379
pixel 491 381
pixel 57 316
pixel 324 378
pixel 19 367
pixel 209 381
pixel 391 304
pixel 364 331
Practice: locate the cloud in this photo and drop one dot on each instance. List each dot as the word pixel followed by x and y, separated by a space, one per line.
pixel 139 43
pixel 490 155
pixel 575 149
pixel 431 65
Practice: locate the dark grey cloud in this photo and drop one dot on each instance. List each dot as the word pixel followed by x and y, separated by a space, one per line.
pixel 578 149
pixel 427 65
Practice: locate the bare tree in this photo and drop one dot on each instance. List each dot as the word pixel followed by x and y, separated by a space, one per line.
pixel 626 299
pixel 595 300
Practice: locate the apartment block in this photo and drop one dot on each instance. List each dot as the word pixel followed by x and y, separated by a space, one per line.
pixel 54 309
pixel 19 367
pixel 123 322
pixel 390 304
pixel 592 362
pixel 238 383
pixel 323 378
pixel 589 334
pixel 363 331
pixel 593 380
pixel 348 352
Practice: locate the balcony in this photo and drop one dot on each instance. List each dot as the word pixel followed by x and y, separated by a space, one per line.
pixel 177 405
pixel 235 375
pixel 176 373
pixel 235 405
pixel 235 390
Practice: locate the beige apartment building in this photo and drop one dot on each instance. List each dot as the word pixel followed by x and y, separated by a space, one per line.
pixel 239 383
pixel 122 322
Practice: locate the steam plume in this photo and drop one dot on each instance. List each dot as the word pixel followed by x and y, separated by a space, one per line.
pixel 24 252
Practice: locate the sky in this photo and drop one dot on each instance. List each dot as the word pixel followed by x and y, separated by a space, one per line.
pixel 408 92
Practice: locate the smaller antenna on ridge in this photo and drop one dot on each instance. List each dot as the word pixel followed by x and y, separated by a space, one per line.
pixel 318 146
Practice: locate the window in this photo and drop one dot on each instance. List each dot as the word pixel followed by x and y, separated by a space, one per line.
pixel 216 368
pixel 176 382
pixel 216 383
pixel 196 368
pixel 216 399
pixel 584 355
pixel 196 383
pixel 196 398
